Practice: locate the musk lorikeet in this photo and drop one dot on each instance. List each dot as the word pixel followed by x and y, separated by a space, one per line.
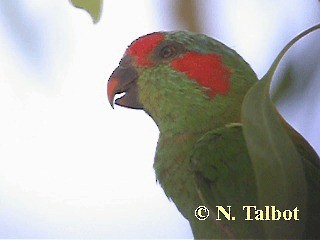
pixel 193 87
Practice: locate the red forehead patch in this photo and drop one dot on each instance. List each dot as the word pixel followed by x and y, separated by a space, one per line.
pixel 207 69
pixel 142 47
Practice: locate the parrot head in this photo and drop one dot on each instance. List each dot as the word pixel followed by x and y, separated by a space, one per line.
pixel 183 80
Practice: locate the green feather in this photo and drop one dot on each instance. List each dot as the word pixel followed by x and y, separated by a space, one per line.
pixel 201 156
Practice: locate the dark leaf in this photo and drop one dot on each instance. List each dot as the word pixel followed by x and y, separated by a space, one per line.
pixel 277 164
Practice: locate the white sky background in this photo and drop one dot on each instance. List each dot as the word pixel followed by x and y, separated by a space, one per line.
pixel 70 166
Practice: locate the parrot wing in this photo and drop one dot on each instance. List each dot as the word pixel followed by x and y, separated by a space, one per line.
pixel 224 177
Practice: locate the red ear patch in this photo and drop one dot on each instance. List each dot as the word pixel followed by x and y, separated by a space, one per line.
pixel 141 48
pixel 207 69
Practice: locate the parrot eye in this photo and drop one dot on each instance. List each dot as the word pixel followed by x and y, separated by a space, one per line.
pixel 168 52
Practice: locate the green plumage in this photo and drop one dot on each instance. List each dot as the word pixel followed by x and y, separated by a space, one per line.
pixel 189 121
pixel 201 156
pixel 225 177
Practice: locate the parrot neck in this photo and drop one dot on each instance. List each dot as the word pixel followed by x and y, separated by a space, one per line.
pixel 197 118
pixel 186 107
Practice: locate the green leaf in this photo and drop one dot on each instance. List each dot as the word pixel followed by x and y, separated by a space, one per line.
pixel 284 84
pixel 277 164
pixel 93 7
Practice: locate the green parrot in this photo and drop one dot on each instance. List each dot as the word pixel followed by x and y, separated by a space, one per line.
pixel 193 87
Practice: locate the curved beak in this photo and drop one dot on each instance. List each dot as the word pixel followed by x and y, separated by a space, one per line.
pixel 124 80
